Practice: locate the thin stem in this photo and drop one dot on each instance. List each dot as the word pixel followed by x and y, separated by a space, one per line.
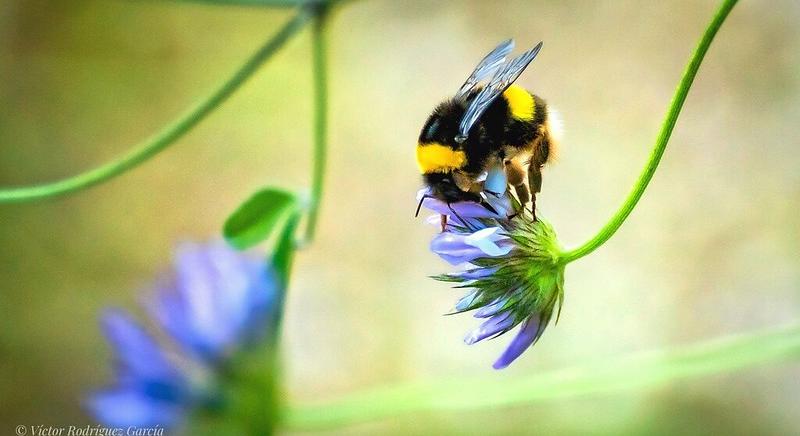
pixel 631 372
pixel 170 133
pixel 661 142
pixel 320 79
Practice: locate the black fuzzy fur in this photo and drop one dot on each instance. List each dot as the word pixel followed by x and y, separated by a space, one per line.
pixel 494 131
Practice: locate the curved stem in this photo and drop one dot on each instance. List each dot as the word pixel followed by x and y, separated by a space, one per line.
pixel 169 134
pixel 661 142
pixel 634 371
pixel 320 79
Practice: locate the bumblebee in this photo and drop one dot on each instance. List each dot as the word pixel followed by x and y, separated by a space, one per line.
pixel 489 122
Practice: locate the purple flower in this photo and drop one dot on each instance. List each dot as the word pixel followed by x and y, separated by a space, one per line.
pixel 218 302
pixel 511 266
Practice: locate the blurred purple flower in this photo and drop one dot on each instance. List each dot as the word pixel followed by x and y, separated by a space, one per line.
pixel 218 302
pixel 512 265
pixel 150 389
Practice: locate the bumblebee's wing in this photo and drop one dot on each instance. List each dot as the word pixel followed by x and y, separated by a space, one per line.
pixel 487 66
pixel 502 79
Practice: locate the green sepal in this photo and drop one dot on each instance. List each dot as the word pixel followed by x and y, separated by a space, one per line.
pixel 285 246
pixel 253 398
pixel 450 278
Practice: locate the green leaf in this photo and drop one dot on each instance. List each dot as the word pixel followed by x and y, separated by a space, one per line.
pixel 258 216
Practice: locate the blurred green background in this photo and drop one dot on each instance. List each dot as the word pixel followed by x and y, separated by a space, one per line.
pixel 712 249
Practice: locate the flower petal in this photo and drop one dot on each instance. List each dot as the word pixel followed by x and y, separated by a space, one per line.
pixel 434 220
pixel 466 301
pixel 452 248
pixel 452 222
pixel 220 300
pixel 464 209
pixel 137 352
pixel 246 289
pixel 167 308
pixel 475 273
pixel 492 308
pixel 490 327
pixel 531 330
pixel 458 248
pixel 196 284
pixel 485 239
pixel 125 407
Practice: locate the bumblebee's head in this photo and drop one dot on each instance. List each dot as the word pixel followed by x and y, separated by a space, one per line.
pixel 440 153
pixel 443 187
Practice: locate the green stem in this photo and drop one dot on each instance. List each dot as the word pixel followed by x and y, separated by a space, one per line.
pixel 320 79
pixel 635 371
pixel 170 133
pixel 661 142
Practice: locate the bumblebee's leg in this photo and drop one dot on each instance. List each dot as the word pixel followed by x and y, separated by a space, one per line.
pixel 535 183
pixel 443 221
pixel 462 180
pixel 541 153
pixel 516 178
pixel 476 188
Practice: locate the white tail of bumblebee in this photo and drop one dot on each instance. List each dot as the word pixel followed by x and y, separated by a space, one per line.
pixel 555 128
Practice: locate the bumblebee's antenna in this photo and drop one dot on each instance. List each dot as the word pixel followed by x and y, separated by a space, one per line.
pixel 419 206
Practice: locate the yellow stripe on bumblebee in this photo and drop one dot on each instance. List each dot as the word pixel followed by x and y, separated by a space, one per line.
pixel 520 102
pixel 438 158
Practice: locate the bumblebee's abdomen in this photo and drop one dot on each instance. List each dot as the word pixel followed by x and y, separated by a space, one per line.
pixel 527 130
pixel 524 114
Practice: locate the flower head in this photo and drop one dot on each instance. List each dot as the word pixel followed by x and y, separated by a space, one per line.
pixel 217 303
pixel 512 267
